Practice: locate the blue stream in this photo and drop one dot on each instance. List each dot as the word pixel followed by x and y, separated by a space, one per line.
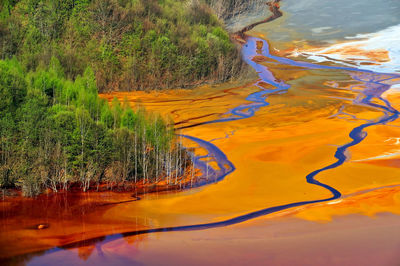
pixel 373 90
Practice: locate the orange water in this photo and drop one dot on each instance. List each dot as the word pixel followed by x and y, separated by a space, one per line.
pixel 272 152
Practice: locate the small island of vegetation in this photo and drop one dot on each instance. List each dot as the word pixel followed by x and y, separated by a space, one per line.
pixel 56 133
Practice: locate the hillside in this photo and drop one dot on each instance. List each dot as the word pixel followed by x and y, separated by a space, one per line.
pixel 130 44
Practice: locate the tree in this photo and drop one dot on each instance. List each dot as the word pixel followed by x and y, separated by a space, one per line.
pixel 84 123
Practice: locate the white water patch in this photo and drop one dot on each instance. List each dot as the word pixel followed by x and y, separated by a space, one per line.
pixel 320 30
pixel 379 52
pixel 334 202
pixel 386 155
pixel 394 89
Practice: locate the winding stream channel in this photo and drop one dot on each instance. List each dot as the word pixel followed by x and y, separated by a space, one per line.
pixel 294 164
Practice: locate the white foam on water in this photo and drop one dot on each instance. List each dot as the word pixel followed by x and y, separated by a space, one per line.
pixel 395 87
pixel 320 29
pixel 387 39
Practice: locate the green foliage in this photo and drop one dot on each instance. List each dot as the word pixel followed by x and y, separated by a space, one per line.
pixel 56 132
pixel 12 86
pixel 129 119
pixel 140 44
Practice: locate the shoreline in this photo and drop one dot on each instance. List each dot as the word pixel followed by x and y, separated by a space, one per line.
pixel 138 188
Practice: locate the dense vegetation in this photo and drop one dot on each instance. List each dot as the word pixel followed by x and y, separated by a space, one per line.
pixel 129 44
pixel 55 132
pixel 55 55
